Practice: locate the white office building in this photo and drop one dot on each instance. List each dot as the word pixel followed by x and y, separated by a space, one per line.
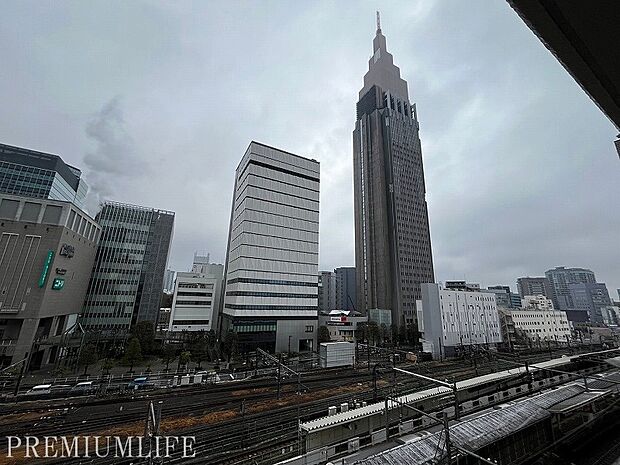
pixel 271 285
pixel 538 320
pixel 457 318
pixel 196 298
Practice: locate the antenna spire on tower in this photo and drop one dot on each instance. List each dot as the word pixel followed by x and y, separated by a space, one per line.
pixel 378 22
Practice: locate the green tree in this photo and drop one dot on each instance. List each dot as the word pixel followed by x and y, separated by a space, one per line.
pixel 184 358
pixel 133 353
pixel 374 333
pixel 361 332
pixel 145 333
pixel 199 349
pixel 229 345
pixel 88 356
pixel 324 334
pixel 402 334
pixel 394 333
pixel 168 353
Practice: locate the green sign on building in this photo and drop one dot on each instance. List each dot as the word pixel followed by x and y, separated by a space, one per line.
pixel 46 268
pixel 58 283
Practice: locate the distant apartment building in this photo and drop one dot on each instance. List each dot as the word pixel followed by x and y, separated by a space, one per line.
pixel 458 318
pixel 128 273
pixel 590 298
pixel 40 175
pixel 47 248
pixel 327 291
pixel 539 321
pixel 271 277
pixel 346 295
pixel 504 297
pixel 559 280
pixel 611 315
pixel 169 281
pixel 534 286
pixel 196 298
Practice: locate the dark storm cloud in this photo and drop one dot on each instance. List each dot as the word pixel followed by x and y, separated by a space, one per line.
pixel 519 163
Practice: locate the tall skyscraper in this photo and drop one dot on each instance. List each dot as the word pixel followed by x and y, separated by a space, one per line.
pixel 534 286
pixel 271 277
pixel 128 275
pixel 40 175
pixel 346 296
pixel 392 236
pixel 560 278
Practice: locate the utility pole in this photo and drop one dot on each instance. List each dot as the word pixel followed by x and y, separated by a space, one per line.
pixel 151 432
pixel 446 427
pixel 279 373
pixel 21 373
pixel 387 420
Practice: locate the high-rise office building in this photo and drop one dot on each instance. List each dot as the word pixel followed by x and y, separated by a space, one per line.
pixel 392 236
pixel 504 297
pixel 534 286
pixel 271 277
pixel 327 291
pixel 169 281
pixel 40 175
pixel 559 280
pixel 47 252
pixel 589 297
pixel 128 274
pixel 345 288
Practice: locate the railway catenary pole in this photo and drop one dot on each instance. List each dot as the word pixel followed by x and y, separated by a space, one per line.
pixel 452 387
pixel 279 374
pixel 555 370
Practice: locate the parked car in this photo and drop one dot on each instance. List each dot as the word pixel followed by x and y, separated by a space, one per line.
pixel 39 390
pixel 141 383
pixel 84 387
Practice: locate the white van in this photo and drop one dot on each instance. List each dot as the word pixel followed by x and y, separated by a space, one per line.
pixel 39 389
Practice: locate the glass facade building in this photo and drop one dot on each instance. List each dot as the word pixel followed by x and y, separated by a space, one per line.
pixel 40 175
pixel 128 273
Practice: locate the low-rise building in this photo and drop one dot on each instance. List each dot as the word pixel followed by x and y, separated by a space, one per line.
pixel 538 320
pixel 48 248
pixel 458 318
pixel 196 298
pixel 342 324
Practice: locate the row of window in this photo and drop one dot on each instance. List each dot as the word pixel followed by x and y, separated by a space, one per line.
pixel 270 307
pixel 195 286
pixel 271 294
pixel 203 303
pixel 190 322
pixel 271 281
pixel 195 294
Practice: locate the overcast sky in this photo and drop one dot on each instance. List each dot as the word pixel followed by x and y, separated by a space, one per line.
pixel 157 101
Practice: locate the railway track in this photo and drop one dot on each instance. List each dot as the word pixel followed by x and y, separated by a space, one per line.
pixel 256 437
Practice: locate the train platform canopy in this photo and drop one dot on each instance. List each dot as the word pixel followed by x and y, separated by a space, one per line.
pixel 354 414
pixel 480 431
pixel 608 381
pixel 615 361
pixel 578 401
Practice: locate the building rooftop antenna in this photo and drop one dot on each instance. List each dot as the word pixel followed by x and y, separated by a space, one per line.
pixel 378 22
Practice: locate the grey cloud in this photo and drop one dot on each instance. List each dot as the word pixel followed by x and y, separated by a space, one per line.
pixel 519 163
